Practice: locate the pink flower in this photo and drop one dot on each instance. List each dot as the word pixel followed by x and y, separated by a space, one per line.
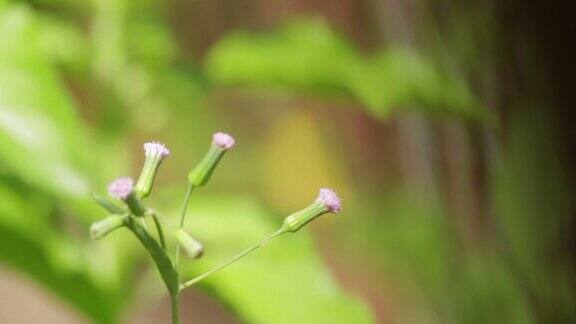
pixel 223 140
pixel 121 188
pixel 156 150
pixel 330 200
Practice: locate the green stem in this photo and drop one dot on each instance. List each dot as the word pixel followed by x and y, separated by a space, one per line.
pixel 181 223
pixel 174 300
pixel 143 222
pixel 159 229
pixel 234 259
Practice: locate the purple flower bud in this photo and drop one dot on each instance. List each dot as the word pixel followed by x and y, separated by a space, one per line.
pixel 330 199
pixel 121 188
pixel 200 175
pixel 223 140
pixel 156 150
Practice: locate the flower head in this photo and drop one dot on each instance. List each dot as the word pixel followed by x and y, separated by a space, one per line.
pixel 223 140
pixel 156 152
pixel 330 199
pixel 121 188
pixel 326 202
pixel 156 149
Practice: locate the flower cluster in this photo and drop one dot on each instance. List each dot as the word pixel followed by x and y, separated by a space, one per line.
pixel 134 215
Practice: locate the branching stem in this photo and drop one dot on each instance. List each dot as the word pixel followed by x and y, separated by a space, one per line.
pixel 143 222
pixel 234 259
pixel 181 223
pixel 159 229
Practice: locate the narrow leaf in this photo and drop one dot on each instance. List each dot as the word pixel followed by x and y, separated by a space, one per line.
pixel 161 259
pixel 108 204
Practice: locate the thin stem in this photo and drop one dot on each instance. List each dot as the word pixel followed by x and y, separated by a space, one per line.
pixel 227 263
pixel 143 222
pixel 181 222
pixel 159 229
pixel 174 300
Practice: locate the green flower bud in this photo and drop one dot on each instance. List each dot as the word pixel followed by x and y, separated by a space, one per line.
pixel 203 171
pixel 327 202
pixel 194 248
pixel 102 228
pixel 155 154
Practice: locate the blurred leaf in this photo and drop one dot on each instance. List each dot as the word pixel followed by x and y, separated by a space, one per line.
pixel 284 282
pixel 135 61
pixel 43 150
pixel 40 135
pixel 76 287
pixel 397 77
pixel 309 56
pixel 150 41
pixel 63 43
pixel 304 55
pixel 29 243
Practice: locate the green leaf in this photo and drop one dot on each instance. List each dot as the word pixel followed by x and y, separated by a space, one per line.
pixel 108 204
pixel 396 77
pixel 308 56
pixel 158 254
pixel 283 282
pixel 305 55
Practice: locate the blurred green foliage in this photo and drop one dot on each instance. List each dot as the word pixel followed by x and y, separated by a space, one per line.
pixel 533 201
pixel 44 166
pixel 511 278
pixel 77 78
pixel 37 116
pixel 309 56
pixel 50 163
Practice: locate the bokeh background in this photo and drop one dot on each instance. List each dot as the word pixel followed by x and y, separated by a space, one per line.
pixel 444 124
